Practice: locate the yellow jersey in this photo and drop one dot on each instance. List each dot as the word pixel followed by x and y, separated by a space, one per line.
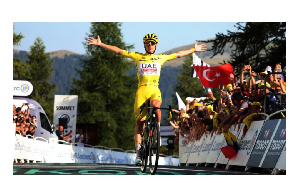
pixel 148 66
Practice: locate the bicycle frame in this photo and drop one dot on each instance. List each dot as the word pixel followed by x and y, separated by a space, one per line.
pixel 151 142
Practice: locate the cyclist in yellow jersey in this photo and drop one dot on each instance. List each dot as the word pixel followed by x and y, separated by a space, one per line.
pixel 148 68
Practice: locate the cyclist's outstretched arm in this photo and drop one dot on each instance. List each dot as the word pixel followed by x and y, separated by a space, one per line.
pixel 97 42
pixel 196 48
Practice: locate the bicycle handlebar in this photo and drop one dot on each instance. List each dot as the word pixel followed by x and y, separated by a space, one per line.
pixel 169 108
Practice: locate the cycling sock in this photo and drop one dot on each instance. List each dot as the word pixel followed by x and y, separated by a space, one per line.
pixel 137 146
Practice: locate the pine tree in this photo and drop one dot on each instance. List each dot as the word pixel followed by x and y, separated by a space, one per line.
pixel 256 43
pixel 20 69
pixel 106 93
pixel 40 70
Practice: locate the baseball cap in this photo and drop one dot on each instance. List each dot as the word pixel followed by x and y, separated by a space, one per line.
pixel 263 73
pixel 262 84
pixel 257 104
pixel 229 87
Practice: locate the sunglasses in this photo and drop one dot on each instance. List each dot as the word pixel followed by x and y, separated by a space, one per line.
pixel 150 43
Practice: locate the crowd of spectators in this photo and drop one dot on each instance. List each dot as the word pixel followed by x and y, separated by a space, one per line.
pixel 25 123
pixel 235 105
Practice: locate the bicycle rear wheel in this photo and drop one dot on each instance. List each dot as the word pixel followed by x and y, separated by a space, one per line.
pixel 154 148
pixel 144 149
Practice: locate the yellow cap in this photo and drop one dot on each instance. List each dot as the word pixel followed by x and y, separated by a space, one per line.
pixel 262 84
pixel 229 87
pixel 257 104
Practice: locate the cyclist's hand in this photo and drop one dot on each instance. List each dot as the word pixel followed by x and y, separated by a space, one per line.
pixel 201 47
pixel 93 41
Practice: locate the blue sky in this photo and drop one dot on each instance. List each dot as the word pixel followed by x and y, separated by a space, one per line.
pixel 71 35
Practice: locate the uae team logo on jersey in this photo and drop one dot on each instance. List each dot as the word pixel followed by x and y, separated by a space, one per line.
pixel 149 68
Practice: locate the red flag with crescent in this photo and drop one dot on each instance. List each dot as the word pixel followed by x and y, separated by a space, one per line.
pixel 214 76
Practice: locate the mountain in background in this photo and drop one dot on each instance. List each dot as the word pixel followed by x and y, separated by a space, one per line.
pixel 66 62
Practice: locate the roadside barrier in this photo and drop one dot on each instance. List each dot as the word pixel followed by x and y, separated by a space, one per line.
pixel 263 146
pixel 38 149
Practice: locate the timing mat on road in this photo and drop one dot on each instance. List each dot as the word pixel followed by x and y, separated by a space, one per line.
pixel 113 169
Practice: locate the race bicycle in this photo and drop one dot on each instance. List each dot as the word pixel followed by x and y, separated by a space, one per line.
pixel 151 140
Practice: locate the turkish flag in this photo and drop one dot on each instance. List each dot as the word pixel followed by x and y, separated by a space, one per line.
pixel 214 76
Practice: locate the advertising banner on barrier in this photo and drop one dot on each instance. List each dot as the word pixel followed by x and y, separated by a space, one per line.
pixel 175 161
pixel 84 155
pixel 276 146
pixel 195 150
pixel 281 163
pixel 27 148
pixel 263 142
pixel 44 150
pixel 161 160
pixel 215 149
pixel 187 152
pixel 206 148
pixel 131 158
pixel 103 156
pixel 65 107
pixel 38 150
pixel 119 157
pixel 32 149
pixel 38 156
pixel 62 153
pixel 247 144
pixel 182 145
pixel 19 147
pixel 238 133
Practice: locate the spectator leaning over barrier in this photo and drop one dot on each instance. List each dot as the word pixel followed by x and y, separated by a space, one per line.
pixel 252 115
pixel 213 112
pixel 193 105
pixel 175 126
pixel 242 105
pixel 225 112
pixel 175 122
pixel 194 127
pixel 184 128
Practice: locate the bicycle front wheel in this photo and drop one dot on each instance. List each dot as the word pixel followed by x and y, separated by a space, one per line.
pixel 144 149
pixel 154 148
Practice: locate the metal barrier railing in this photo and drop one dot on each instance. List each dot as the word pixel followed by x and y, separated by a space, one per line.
pixel 101 147
pixel 117 149
pixel 40 138
pixel 277 112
